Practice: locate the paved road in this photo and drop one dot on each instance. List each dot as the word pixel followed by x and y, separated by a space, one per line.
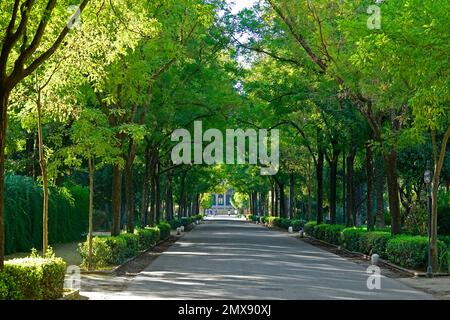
pixel 238 260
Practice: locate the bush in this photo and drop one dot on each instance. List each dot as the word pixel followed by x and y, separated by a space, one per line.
pixel 445 239
pixel 109 251
pixel 309 228
pixel 197 217
pixel 32 278
pixel 147 237
pixel 319 231
pixel 164 230
pixel 297 225
pixel 412 252
pixel 185 221
pixel 174 224
pixel 375 242
pixel 273 221
pixel 332 233
pixel 350 239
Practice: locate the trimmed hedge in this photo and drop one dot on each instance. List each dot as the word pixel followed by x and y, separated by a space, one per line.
pixel 109 251
pixel 148 237
pixel 309 228
pixel 164 230
pixel 185 221
pixel 375 242
pixel 350 239
pixel 68 214
pixel 32 278
pixel 412 252
pixel 332 233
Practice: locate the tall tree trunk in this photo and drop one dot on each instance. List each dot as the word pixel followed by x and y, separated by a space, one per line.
pixel 369 174
pixel 344 186
pixel 439 157
pixel 116 199
pixel 390 160
pixel 291 195
pixel 157 195
pixel 145 188
pixel 129 195
pixel 283 211
pixel 272 200
pixel 319 176
pixel 333 162
pixel 91 165
pixel 169 197
pixel 350 188
pixel 277 200
pixel 379 186
pixel 43 165
pixel 4 96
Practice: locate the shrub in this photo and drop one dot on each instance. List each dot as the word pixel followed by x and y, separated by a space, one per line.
pixel 109 251
pixel 284 223
pixel 197 217
pixel 309 228
pixel 174 224
pixel 350 239
pixel 32 278
pixel 164 230
pixel 319 231
pixel 273 221
pixel 147 237
pixel 375 242
pixel 445 239
pixel 297 225
pixel 185 221
pixel 412 252
pixel 332 233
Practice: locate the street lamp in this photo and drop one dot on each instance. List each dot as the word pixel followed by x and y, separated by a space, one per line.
pixel 427 179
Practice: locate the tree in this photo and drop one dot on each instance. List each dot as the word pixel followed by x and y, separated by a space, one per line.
pixel 93 141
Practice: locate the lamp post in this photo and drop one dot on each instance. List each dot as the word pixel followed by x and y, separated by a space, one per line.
pixel 427 179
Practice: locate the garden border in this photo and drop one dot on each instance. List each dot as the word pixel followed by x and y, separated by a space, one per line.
pixel 141 253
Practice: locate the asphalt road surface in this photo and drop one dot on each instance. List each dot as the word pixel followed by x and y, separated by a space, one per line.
pixel 230 259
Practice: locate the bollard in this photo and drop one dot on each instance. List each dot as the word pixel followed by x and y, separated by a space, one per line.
pixel 178 231
pixel 375 259
pixel 290 229
pixel 182 228
pixel 302 233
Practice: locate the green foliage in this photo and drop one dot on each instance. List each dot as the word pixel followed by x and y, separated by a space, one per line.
pixel 176 223
pixel 332 233
pixel 444 219
pixel 412 252
pixel 309 228
pixel 350 239
pixel 164 230
pixel 375 242
pixel 185 221
pixel 148 237
pixel 32 278
pixel 111 251
pixel 68 214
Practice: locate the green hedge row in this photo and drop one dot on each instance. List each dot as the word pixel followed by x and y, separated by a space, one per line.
pixel 406 251
pixel 284 223
pixel 412 252
pixel 32 278
pixel 184 221
pixel 68 214
pixel 110 251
